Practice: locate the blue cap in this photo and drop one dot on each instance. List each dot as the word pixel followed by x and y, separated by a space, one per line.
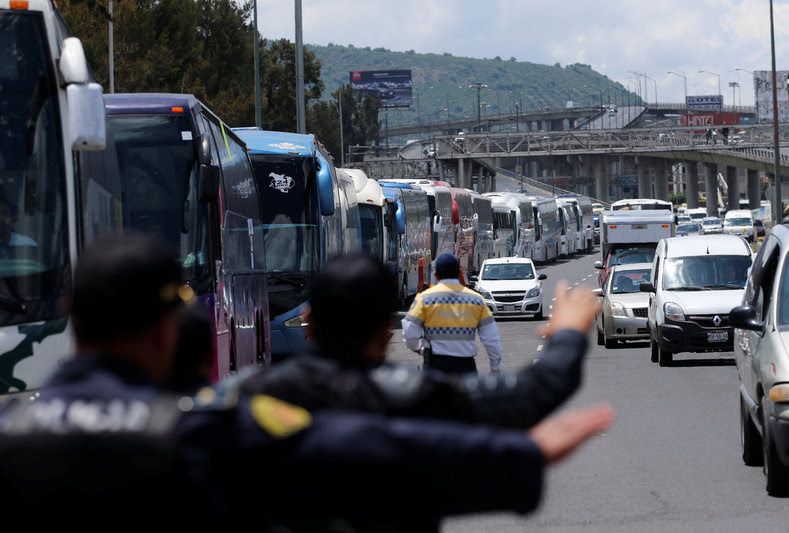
pixel 447 266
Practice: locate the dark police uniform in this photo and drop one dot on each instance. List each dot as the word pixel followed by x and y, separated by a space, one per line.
pixel 216 458
pixel 511 399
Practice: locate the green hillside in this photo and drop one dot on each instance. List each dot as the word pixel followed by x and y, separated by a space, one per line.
pixel 440 83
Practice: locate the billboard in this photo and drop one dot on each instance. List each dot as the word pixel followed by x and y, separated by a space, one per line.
pixel 711 119
pixel 392 87
pixel 763 87
pixel 701 104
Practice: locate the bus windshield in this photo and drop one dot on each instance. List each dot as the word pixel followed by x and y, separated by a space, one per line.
pixel 155 190
pixel 290 213
pixel 34 259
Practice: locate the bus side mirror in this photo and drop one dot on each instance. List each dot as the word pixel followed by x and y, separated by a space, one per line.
pixel 325 187
pixel 209 183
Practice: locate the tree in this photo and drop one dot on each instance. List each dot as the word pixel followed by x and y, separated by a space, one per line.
pixel 359 119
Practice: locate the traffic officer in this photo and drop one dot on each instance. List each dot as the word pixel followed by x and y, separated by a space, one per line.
pixel 103 442
pixel 444 320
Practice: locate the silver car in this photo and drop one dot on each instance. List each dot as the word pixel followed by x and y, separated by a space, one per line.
pixel 623 315
pixel 711 225
pixel 761 338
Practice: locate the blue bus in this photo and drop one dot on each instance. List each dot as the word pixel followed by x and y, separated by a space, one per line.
pixel 173 169
pixel 306 220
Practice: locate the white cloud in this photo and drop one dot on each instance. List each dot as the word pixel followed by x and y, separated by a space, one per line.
pixel 613 36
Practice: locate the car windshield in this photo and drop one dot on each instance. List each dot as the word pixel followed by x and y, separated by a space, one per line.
pixel 629 281
pixel 711 221
pixel 706 272
pixel 632 254
pixel 501 271
pixel 688 227
pixel 739 222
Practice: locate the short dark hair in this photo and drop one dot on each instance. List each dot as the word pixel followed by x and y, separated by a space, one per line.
pixel 123 284
pixel 195 340
pixel 351 299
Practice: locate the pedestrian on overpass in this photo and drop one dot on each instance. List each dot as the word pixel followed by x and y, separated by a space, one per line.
pixel 444 320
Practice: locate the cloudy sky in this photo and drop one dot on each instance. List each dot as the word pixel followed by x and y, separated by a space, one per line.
pixel 615 37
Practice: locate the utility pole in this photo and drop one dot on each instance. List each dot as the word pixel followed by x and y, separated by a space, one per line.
pixel 778 209
pixel 300 109
pixel 342 143
pixel 478 87
pixel 112 52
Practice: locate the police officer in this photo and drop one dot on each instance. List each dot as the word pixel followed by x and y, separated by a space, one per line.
pixel 104 443
pixel 343 371
pixel 444 320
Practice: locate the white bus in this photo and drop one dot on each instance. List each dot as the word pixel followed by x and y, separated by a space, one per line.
pixel 585 211
pixel 50 107
pixel 641 203
pixel 525 220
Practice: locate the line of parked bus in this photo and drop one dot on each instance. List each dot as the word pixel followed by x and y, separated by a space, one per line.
pixel 252 214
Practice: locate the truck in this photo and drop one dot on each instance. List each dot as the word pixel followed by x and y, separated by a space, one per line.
pixel 631 236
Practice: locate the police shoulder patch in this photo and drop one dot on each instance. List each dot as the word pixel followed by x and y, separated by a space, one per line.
pixel 280 419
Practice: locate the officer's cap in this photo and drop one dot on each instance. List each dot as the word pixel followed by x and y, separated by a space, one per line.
pixel 447 266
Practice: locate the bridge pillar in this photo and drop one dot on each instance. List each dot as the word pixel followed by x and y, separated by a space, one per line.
pixel 492 182
pixel 754 189
pixel 644 183
pixel 711 187
pixel 601 179
pixel 733 185
pixel 692 184
pixel 661 179
pixel 461 179
pixel 440 165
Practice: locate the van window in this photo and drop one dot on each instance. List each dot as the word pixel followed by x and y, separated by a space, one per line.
pixel 706 272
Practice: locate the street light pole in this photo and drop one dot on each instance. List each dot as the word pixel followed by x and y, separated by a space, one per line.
pixel 685 79
pixel 478 87
pixel 778 210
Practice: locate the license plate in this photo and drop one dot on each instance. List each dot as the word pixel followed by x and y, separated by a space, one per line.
pixel 509 308
pixel 717 336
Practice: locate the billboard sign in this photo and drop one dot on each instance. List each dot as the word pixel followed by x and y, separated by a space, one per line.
pixel 701 104
pixel 763 86
pixel 392 87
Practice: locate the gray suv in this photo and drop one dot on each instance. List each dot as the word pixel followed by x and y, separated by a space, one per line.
pixel 761 337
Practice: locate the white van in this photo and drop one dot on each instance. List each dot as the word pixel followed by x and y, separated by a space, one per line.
pixel 739 222
pixel 695 281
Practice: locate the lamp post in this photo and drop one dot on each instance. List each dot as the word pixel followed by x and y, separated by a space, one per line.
pixel 684 79
pixel 655 83
pixel 734 85
pixel 478 87
pixel 778 210
pixel 714 74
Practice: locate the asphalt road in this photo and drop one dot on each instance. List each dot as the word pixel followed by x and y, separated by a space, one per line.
pixel 671 461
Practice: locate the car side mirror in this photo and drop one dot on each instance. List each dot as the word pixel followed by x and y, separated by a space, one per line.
pixel 472 279
pixel 598 264
pixel 597 292
pixel 542 276
pixel 646 287
pixel 744 317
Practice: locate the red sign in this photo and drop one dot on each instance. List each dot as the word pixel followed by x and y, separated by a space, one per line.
pixel 711 119
pixel 356 75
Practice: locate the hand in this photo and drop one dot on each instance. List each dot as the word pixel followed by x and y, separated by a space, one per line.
pixel 561 434
pixel 573 309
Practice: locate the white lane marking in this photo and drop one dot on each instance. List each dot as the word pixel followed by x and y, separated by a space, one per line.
pixel 539 347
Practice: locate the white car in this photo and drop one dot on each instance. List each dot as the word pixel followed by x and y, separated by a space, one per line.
pixel 739 222
pixel 510 286
pixel 623 312
pixel 711 225
pixel 695 282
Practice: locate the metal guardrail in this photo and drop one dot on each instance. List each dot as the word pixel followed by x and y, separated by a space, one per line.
pixel 756 140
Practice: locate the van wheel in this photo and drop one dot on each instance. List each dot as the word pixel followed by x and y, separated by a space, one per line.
pixel 665 358
pixel 750 438
pixel 775 472
pixel 653 350
pixel 600 338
